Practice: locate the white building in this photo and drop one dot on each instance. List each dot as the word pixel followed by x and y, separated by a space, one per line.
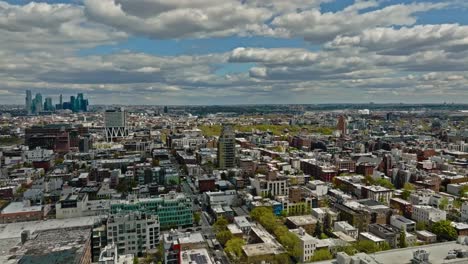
pixel 133 233
pixel 346 228
pixel 222 198
pixel 464 211
pixel 402 222
pixel 37 154
pixel 266 187
pixel 109 255
pixel 308 243
pixel 427 214
pixel 378 193
pixel 78 205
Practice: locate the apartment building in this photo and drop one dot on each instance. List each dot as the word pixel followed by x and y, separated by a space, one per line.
pixel 308 244
pixel 428 214
pixel 173 209
pixel 133 232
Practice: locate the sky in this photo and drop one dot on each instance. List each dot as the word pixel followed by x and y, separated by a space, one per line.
pixel 212 52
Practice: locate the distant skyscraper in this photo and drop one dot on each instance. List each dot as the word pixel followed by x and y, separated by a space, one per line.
pixel 115 122
pixel 37 104
pixel 61 99
pixel 28 105
pixel 342 125
pixel 48 106
pixel 166 110
pixel 227 148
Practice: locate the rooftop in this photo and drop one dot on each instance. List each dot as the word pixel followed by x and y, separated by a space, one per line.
pixel 195 256
pixel 20 207
pixel 301 220
pixel 14 230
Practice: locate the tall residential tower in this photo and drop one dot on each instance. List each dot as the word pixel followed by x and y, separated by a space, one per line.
pixel 227 148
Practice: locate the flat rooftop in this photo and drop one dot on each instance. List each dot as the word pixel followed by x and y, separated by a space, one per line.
pixel 437 253
pixel 19 207
pixel 302 220
pixel 195 256
pixel 14 230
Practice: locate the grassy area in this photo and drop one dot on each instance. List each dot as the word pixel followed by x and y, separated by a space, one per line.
pixel 6 141
pixel 215 130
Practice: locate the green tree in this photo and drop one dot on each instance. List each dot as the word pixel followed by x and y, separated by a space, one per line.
pixel 421 226
pixel 385 183
pixel 403 238
pixel 367 246
pixel 135 260
pixel 407 189
pixel 234 248
pixel 384 246
pixel 444 230
pixel 321 254
pixel 196 217
pixel 318 230
pixel 220 224
pixel 223 236
pixel 443 204
pixel 463 191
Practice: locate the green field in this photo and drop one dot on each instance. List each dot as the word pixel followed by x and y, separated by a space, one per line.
pixel 215 130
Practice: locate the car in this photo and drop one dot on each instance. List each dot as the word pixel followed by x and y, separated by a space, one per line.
pixel 198 229
pixel 189 230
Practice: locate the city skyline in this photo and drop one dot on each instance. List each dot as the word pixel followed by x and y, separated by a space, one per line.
pixel 209 52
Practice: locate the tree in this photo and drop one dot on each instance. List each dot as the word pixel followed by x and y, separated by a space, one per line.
pixel 318 230
pixel 463 191
pixel 135 260
pixel 403 238
pixel 407 189
pixel 421 226
pixel 234 248
pixel 444 230
pixel 385 183
pixel 443 204
pixel 367 246
pixel 223 236
pixel 220 224
pixel 321 254
pixel 196 217
pixel 384 246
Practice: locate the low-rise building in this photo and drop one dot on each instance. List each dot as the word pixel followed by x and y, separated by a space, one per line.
pixel 377 193
pixel 306 222
pixel 21 212
pixel 346 228
pixel 402 222
pixel 426 236
pixel 428 214
pixel 308 244
pixel 175 242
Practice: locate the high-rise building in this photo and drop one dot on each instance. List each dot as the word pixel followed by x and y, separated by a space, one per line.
pixel 342 125
pixel 28 106
pixel 115 123
pixel 37 104
pixel 227 148
pixel 48 106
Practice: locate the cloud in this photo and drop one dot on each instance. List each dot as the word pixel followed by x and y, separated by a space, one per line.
pixel 366 51
pixel 165 19
pixel 407 40
pixel 58 27
pixel 315 26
